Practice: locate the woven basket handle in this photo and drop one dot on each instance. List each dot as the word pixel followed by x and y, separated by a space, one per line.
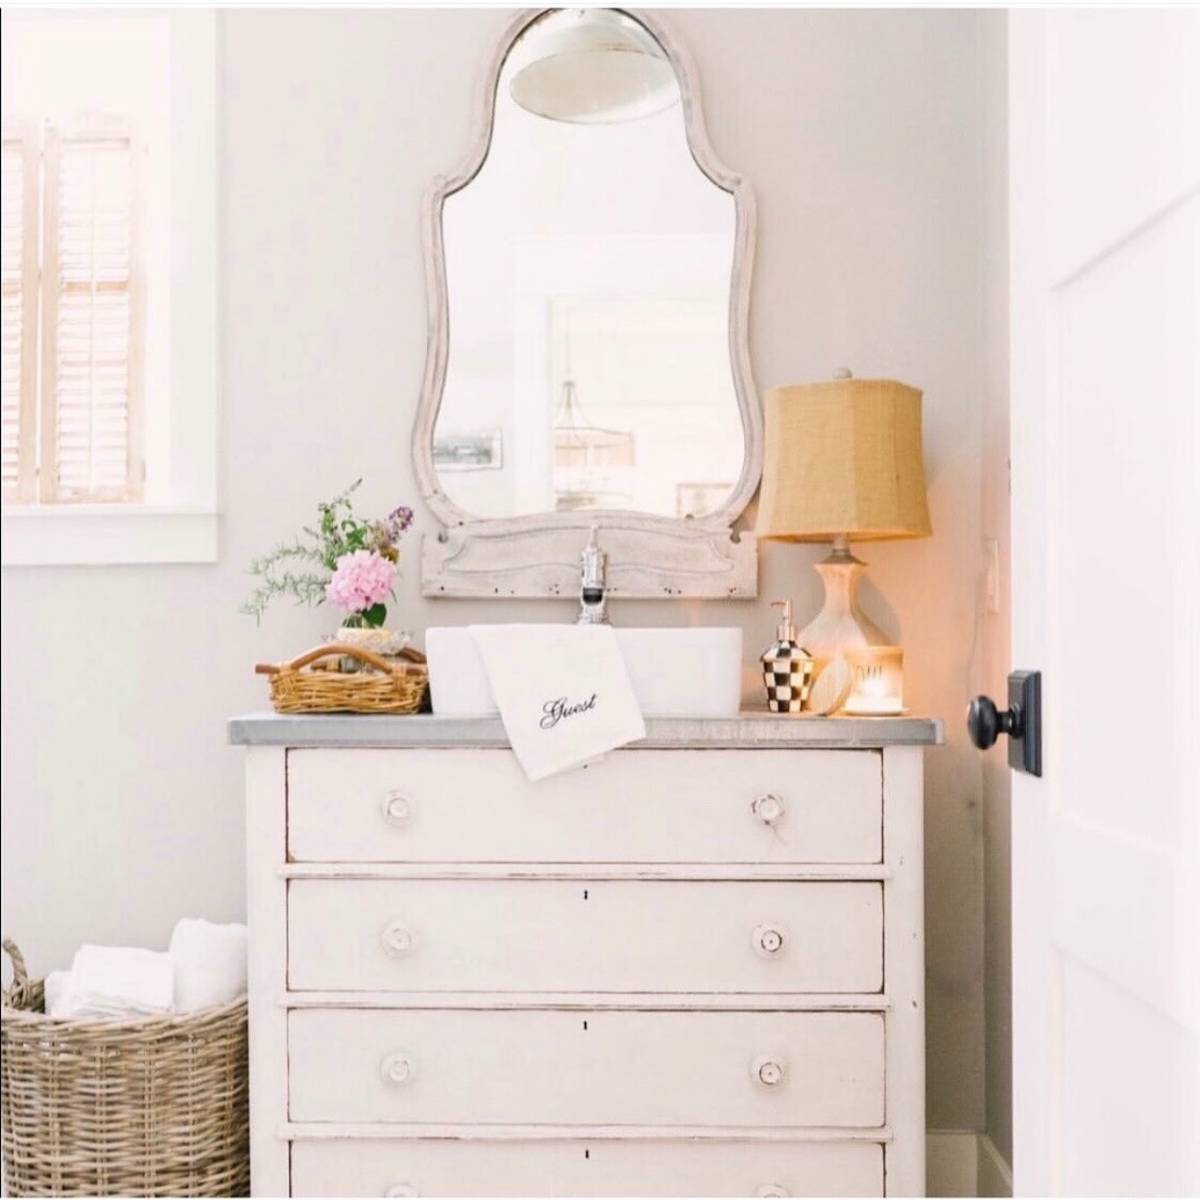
pixel 333 650
pixel 20 972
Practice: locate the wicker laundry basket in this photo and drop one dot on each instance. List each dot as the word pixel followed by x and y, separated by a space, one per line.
pixel 147 1107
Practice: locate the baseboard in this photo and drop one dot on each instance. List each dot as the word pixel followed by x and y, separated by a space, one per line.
pixel 994 1174
pixel 951 1162
pixel 964 1163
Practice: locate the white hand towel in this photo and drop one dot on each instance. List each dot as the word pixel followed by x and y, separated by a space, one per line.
pixel 119 981
pixel 209 962
pixel 562 690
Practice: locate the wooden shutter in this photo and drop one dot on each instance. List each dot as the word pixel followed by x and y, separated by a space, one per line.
pixel 91 446
pixel 18 337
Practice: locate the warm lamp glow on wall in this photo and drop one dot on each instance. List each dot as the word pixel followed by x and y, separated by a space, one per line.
pixel 843 464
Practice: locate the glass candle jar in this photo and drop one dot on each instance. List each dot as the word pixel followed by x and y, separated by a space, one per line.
pixel 878 687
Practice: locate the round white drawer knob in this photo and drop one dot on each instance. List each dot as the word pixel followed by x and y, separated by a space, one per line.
pixel 398 1069
pixel 397 808
pixel 407 1189
pixel 768 1072
pixel 772 1189
pixel 768 941
pixel 398 940
pixel 768 808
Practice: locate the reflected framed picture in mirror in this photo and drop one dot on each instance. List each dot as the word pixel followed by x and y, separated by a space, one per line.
pixel 469 451
pixel 694 500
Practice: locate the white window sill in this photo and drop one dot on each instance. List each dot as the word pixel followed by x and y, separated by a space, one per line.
pixel 107 534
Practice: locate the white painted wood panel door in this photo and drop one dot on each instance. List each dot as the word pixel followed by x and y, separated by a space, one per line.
pixel 1104 110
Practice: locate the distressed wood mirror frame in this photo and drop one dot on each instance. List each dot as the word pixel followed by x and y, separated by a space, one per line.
pixel 537 555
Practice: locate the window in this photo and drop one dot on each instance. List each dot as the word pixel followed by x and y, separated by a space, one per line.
pixel 108 348
pixel 18 339
pixel 72 430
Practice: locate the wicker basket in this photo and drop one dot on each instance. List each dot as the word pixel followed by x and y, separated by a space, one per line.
pixel 392 687
pixel 147 1107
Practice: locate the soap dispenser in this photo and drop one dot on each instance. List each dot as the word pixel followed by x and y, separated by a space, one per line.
pixel 787 667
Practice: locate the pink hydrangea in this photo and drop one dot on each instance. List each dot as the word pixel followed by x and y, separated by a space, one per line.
pixel 362 579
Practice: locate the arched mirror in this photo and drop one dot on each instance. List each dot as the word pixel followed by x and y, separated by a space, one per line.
pixel 589 281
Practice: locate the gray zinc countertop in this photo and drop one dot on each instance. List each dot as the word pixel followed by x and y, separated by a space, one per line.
pixel 748 730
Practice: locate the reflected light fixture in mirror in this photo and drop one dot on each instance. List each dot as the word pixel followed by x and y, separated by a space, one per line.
pixel 599 69
pixel 588 459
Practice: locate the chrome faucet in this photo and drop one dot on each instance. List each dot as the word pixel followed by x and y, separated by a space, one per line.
pixel 593 596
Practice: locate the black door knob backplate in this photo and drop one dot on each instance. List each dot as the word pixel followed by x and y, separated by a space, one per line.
pixel 1021 720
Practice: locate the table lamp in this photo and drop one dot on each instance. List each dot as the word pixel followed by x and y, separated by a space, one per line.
pixel 843 464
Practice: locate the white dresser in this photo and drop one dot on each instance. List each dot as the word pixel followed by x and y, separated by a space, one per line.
pixel 694 968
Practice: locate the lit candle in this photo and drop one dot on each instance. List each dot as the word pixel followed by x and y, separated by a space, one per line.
pixel 878 688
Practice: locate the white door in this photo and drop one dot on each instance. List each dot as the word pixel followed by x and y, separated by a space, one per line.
pixel 1104 110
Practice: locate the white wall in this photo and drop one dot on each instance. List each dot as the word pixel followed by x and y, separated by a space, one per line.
pixel 860 130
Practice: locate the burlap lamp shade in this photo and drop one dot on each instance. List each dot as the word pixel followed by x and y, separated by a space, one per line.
pixel 843 458
pixel 843 464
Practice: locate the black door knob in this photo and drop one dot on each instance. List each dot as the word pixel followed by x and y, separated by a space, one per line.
pixel 1021 720
pixel 985 722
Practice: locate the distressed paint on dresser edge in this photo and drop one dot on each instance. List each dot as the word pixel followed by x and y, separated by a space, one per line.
pixel 266 914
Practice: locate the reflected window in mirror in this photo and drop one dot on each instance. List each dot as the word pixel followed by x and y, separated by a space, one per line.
pixel 588 272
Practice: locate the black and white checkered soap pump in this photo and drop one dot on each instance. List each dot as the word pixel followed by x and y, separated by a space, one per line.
pixel 787 667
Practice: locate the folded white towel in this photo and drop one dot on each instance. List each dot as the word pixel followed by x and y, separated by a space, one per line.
pixel 209 963
pixel 58 994
pixel 562 690
pixel 118 981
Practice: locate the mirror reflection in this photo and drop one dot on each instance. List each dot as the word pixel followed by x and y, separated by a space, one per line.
pixel 588 269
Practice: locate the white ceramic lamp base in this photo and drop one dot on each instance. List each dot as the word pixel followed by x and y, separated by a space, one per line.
pixel 841 624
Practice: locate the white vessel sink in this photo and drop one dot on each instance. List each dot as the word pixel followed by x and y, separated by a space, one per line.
pixel 674 672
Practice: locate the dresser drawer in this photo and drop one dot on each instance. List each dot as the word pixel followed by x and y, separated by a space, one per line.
pixel 586 1168
pixel 591 1068
pixel 661 806
pixel 584 935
